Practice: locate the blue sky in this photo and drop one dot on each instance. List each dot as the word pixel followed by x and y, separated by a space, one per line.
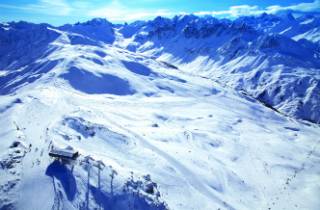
pixel 58 12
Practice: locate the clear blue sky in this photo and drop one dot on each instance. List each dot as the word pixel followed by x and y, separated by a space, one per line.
pixel 58 12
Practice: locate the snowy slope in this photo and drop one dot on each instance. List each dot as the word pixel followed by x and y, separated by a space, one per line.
pixel 154 134
pixel 264 56
pixel 265 64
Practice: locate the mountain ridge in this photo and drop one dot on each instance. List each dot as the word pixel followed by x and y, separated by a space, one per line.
pixel 206 46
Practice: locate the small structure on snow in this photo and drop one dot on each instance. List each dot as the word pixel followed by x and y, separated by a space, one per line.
pixel 64 153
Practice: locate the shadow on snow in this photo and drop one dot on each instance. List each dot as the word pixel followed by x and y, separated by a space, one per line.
pixel 90 83
pixel 64 175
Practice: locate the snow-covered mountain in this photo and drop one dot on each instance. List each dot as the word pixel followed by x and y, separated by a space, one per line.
pixel 166 114
pixel 265 56
pixel 279 70
pixel 301 27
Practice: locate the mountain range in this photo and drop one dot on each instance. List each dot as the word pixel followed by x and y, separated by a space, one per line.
pixel 275 59
pixel 189 112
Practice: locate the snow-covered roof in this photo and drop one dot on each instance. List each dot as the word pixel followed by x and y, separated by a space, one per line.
pixel 68 152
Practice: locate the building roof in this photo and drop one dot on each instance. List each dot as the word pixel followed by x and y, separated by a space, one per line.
pixel 68 152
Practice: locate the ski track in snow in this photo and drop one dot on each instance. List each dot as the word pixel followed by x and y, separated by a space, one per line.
pixel 184 171
pixel 43 138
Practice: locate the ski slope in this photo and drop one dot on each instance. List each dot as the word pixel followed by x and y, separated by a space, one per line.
pixel 151 134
